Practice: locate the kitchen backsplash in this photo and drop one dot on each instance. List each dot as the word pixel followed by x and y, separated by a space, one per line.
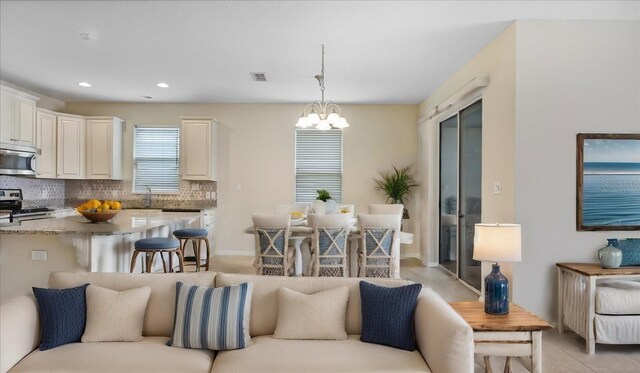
pixel 71 193
pixel 36 192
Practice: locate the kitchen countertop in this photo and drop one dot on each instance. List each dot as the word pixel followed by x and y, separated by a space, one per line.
pixel 126 221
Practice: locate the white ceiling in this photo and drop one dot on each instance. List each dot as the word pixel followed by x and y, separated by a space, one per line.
pixel 376 51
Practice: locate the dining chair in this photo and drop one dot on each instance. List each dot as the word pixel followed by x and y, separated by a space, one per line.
pixel 386 209
pixel 379 251
pixel 329 245
pixel 273 256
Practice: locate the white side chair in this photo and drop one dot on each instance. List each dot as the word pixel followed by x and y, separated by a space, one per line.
pixel 384 209
pixel 273 256
pixel 379 252
pixel 329 245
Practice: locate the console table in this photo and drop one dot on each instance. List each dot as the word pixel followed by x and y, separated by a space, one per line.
pixel 518 333
pixel 577 295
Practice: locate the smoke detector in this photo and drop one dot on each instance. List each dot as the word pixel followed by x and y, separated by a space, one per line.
pixel 259 77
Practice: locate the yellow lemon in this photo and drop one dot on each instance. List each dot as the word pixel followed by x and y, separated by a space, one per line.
pixel 104 207
pixel 98 209
pixel 116 205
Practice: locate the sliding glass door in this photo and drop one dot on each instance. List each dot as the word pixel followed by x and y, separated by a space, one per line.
pixel 460 191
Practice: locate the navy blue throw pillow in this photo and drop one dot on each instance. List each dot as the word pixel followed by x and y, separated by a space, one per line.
pixel 387 314
pixel 63 313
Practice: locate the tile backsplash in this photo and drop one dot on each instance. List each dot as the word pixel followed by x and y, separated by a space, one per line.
pixel 71 193
pixel 36 192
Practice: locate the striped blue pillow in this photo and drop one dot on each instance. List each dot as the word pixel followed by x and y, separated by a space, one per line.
pixel 212 318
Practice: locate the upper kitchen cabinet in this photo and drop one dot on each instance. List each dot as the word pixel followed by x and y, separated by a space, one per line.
pixel 71 162
pixel 198 148
pixel 17 119
pixel 46 141
pixel 104 148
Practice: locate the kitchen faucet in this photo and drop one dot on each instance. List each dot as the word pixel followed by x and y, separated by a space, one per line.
pixel 147 198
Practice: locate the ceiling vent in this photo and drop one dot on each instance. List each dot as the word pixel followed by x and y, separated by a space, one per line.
pixel 258 77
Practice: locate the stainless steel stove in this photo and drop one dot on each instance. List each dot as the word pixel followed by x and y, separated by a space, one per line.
pixel 11 210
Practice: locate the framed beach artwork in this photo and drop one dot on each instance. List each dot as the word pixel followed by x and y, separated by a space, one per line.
pixel 608 182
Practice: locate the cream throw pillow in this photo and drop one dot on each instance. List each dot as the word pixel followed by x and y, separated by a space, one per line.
pixel 317 316
pixel 115 316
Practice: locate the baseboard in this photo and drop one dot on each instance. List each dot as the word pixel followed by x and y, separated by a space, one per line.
pixel 433 264
pixel 409 256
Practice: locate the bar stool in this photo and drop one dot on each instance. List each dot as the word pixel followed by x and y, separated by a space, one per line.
pixel 196 236
pixel 151 246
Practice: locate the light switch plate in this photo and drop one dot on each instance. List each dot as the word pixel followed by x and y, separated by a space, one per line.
pixel 497 187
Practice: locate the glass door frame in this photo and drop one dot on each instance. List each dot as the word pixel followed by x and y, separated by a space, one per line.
pixel 453 111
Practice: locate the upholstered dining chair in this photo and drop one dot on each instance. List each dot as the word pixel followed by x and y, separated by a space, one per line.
pixel 385 209
pixel 273 256
pixel 379 251
pixel 329 245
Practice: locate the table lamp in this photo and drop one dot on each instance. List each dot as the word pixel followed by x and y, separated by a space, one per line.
pixel 497 243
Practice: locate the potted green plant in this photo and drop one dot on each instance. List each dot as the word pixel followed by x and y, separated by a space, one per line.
pixel 324 204
pixel 397 185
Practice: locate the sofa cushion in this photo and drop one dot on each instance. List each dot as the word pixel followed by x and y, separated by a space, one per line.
pixel 158 320
pixel 212 318
pixel 115 316
pixel 62 315
pixel 265 296
pixel 268 354
pixel 387 314
pixel 149 355
pixel 618 297
pixel 312 316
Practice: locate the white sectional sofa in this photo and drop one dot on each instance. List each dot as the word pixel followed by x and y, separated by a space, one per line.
pixel 444 340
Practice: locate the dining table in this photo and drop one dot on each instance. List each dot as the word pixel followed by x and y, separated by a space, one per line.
pixel 300 234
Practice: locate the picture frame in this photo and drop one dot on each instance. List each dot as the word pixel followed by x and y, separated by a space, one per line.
pixel 608 182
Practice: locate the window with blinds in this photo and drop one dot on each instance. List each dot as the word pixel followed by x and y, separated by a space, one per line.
pixel 318 164
pixel 156 159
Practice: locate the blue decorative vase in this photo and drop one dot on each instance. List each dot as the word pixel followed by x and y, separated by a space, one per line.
pixel 496 292
pixel 610 256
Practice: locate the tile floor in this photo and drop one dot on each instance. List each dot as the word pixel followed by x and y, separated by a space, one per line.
pixel 560 353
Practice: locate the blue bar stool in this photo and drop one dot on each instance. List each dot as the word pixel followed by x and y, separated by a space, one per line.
pixel 151 246
pixel 196 236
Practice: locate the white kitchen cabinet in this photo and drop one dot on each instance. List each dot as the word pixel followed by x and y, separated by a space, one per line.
pixel 198 148
pixel 71 162
pixel 104 148
pixel 17 118
pixel 46 141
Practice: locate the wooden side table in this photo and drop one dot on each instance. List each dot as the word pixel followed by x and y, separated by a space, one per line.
pixel 518 333
pixel 577 296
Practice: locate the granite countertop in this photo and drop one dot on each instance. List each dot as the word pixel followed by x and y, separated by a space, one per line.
pixel 126 221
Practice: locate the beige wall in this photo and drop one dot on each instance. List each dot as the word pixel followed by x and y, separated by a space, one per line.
pixel 497 62
pixel 256 155
pixel 572 77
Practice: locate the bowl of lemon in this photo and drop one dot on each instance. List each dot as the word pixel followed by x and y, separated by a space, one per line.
pixel 99 211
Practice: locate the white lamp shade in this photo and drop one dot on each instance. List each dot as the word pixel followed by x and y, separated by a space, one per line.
pixel 323 125
pixel 497 243
pixel 313 117
pixel 341 123
pixel 333 118
pixel 303 122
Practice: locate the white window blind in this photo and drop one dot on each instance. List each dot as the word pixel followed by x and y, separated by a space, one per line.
pixel 318 164
pixel 156 159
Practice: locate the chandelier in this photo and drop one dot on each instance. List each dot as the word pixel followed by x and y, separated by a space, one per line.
pixel 323 115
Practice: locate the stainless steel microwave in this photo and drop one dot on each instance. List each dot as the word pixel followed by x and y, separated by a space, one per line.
pixel 17 162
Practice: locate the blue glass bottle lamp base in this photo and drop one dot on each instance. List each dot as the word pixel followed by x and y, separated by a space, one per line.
pixel 496 292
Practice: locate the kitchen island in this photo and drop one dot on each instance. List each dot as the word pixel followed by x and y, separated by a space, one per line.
pixel 33 249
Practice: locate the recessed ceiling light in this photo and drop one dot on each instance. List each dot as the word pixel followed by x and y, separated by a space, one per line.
pixel 163 85
pixel 84 84
pixel 87 36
